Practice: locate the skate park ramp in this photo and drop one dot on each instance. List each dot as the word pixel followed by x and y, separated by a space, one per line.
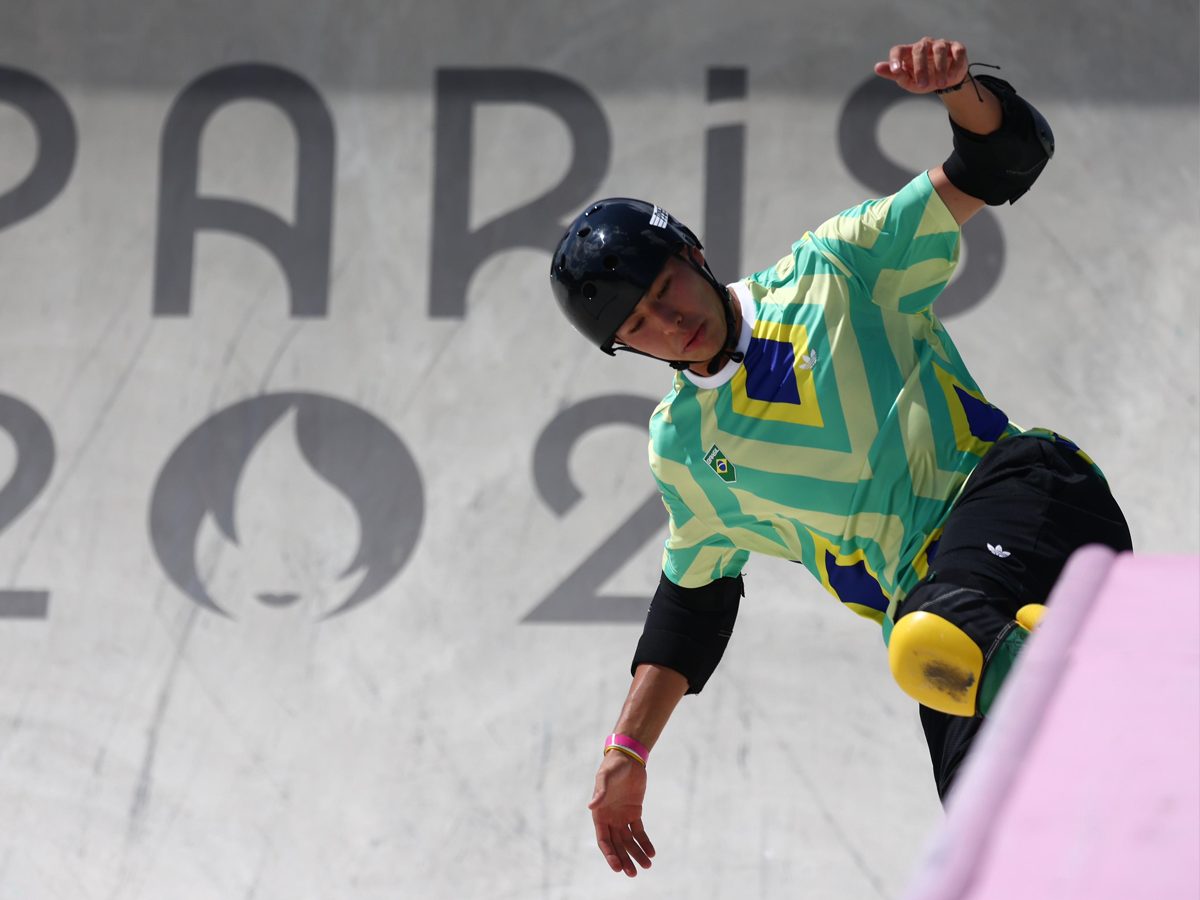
pixel 1084 783
pixel 324 539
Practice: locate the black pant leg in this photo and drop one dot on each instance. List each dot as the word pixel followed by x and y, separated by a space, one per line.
pixel 949 738
pixel 1038 502
pixel 1028 506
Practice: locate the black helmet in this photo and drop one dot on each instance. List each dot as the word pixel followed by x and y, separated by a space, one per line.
pixel 607 261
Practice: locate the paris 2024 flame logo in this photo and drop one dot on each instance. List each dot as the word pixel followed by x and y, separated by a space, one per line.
pixel 287 498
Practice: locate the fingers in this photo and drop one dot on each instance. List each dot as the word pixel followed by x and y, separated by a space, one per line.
pixel 941 63
pixel 639 835
pixel 614 853
pixel 928 65
pixel 958 63
pixel 634 846
pixel 898 65
pixel 920 62
pixel 622 845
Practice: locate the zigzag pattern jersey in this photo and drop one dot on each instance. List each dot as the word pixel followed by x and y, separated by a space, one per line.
pixel 845 436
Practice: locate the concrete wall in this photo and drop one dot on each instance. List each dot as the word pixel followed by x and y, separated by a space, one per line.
pixel 276 343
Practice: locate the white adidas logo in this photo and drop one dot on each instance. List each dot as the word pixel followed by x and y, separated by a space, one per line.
pixel 810 360
pixel 999 551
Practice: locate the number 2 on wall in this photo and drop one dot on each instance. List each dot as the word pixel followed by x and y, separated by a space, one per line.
pixel 35 461
pixel 576 598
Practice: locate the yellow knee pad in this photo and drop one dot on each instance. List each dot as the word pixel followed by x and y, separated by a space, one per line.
pixel 939 666
pixel 936 663
pixel 1030 615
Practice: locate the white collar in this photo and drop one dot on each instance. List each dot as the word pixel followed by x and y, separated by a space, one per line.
pixel 728 370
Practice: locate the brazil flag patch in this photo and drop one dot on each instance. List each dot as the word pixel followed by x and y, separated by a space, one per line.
pixel 719 463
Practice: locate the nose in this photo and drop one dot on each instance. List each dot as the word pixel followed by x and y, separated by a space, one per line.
pixel 668 317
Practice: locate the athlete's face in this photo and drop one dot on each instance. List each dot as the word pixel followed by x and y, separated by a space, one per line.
pixel 679 318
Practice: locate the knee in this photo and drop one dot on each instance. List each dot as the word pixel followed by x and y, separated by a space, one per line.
pixel 936 663
pixel 952 647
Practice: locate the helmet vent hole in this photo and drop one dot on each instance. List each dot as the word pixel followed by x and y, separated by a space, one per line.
pixel 589 291
pixel 584 231
pixel 610 261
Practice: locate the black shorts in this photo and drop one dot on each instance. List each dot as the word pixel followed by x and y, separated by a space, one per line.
pixel 1029 504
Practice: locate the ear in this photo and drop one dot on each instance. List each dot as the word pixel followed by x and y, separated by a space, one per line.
pixel 697 254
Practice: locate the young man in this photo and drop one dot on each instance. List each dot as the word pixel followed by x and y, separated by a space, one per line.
pixel 821 413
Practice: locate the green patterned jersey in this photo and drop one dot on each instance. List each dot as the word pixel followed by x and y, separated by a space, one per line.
pixel 843 438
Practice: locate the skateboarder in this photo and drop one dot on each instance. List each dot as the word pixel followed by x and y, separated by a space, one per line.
pixel 821 413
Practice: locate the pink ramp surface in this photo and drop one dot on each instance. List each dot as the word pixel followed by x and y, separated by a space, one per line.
pixel 1085 783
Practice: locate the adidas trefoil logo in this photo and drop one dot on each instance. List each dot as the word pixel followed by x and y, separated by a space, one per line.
pixel 999 551
pixel 810 359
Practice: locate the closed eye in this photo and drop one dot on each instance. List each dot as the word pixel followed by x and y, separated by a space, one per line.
pixel 663 290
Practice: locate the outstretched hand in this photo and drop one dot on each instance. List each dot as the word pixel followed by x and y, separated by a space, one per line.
pixel 928 65
pixel 617 813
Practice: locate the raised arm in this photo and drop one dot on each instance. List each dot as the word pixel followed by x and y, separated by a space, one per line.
pixel 983 170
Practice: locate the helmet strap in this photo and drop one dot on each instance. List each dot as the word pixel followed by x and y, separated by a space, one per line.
pixel 729 349
pixel 676 364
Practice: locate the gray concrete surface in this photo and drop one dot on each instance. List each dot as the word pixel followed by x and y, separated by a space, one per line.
pixel 424 742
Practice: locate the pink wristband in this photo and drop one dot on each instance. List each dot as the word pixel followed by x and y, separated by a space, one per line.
pixel 628 746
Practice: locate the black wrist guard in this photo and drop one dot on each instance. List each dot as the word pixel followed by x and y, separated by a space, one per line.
pixel 687 628
pixel 1002 165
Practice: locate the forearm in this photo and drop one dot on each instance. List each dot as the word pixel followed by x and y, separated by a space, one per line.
pixel 978 113
pixel 653 696
pixel 968 112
